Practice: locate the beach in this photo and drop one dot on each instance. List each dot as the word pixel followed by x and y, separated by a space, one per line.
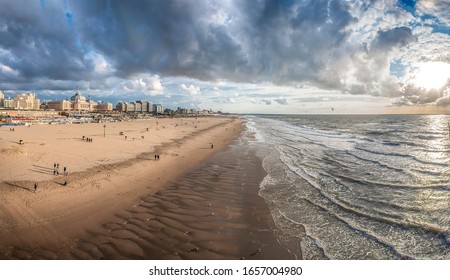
pixel 147 189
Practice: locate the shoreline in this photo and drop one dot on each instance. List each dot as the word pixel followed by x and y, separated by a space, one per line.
pixel 89 218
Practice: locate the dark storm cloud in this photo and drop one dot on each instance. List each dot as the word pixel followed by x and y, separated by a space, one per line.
pixel 36 42
pixel 283 41
pixel 386 40
pixel 295 40
pixel 165 37
pixel 131 45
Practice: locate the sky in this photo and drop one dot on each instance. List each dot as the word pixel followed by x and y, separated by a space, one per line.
pixel 237 56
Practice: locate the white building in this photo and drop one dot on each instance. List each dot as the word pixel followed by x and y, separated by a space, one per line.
pixel 131 107
pixel 158 109
pixel 26 101
pixel 78 103
pixel 138 106
pixel 121 106
pixel 134 107
pixel 145 106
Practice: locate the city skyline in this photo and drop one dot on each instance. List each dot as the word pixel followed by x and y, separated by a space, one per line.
pixel 78 102
pixel 240 57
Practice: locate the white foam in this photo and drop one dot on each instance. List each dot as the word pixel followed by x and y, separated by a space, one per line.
pixel 252 129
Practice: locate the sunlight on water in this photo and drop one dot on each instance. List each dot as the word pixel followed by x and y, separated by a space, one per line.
pixel 438 125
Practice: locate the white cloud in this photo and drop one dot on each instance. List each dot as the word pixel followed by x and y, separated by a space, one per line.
pixel 438 8
pixel 231 100
pixel 101 65
pixel 8 71
pixel 148 84
pixel 192 90
pixel 445 99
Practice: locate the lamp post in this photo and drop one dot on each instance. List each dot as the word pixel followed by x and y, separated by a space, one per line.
pixel 104 130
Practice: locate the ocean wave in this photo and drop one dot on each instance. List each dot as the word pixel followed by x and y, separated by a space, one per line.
pixel 382 184
pixel 379 163
pixel 388 185
pixel 395 154
pixel 389 143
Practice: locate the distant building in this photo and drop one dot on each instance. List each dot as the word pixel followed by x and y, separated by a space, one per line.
pixel 81 103
pixel 26 101
pixel 121 107
pixel 182 111
pixel 131 107
pixel 168 111
pixel 158 109
pixel 78 103
pixel 104 106
pixel 205 112
pixel 144 106
pixel 148 106
pixel 135 107
pixel 2 97
pixel 64 105
pixel 8 103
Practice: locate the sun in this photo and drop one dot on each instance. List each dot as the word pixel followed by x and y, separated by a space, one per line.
pixel 432 75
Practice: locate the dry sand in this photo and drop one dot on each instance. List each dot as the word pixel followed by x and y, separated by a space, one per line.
pixel 121 203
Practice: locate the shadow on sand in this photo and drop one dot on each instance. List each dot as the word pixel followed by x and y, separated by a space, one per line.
pixel 16 185
pixel 41 169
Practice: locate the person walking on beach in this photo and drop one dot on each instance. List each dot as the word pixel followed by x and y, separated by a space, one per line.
pixel 57 169
pixel 54 169
pixel 212 146
pixel 35 187
pixel 65 171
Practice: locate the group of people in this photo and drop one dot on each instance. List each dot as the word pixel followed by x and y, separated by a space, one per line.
pixel 87 139
pixel 11 129
pixel 56 169
pixel 156 156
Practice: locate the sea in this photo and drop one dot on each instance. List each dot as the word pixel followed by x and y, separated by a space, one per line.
pixel 356 186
